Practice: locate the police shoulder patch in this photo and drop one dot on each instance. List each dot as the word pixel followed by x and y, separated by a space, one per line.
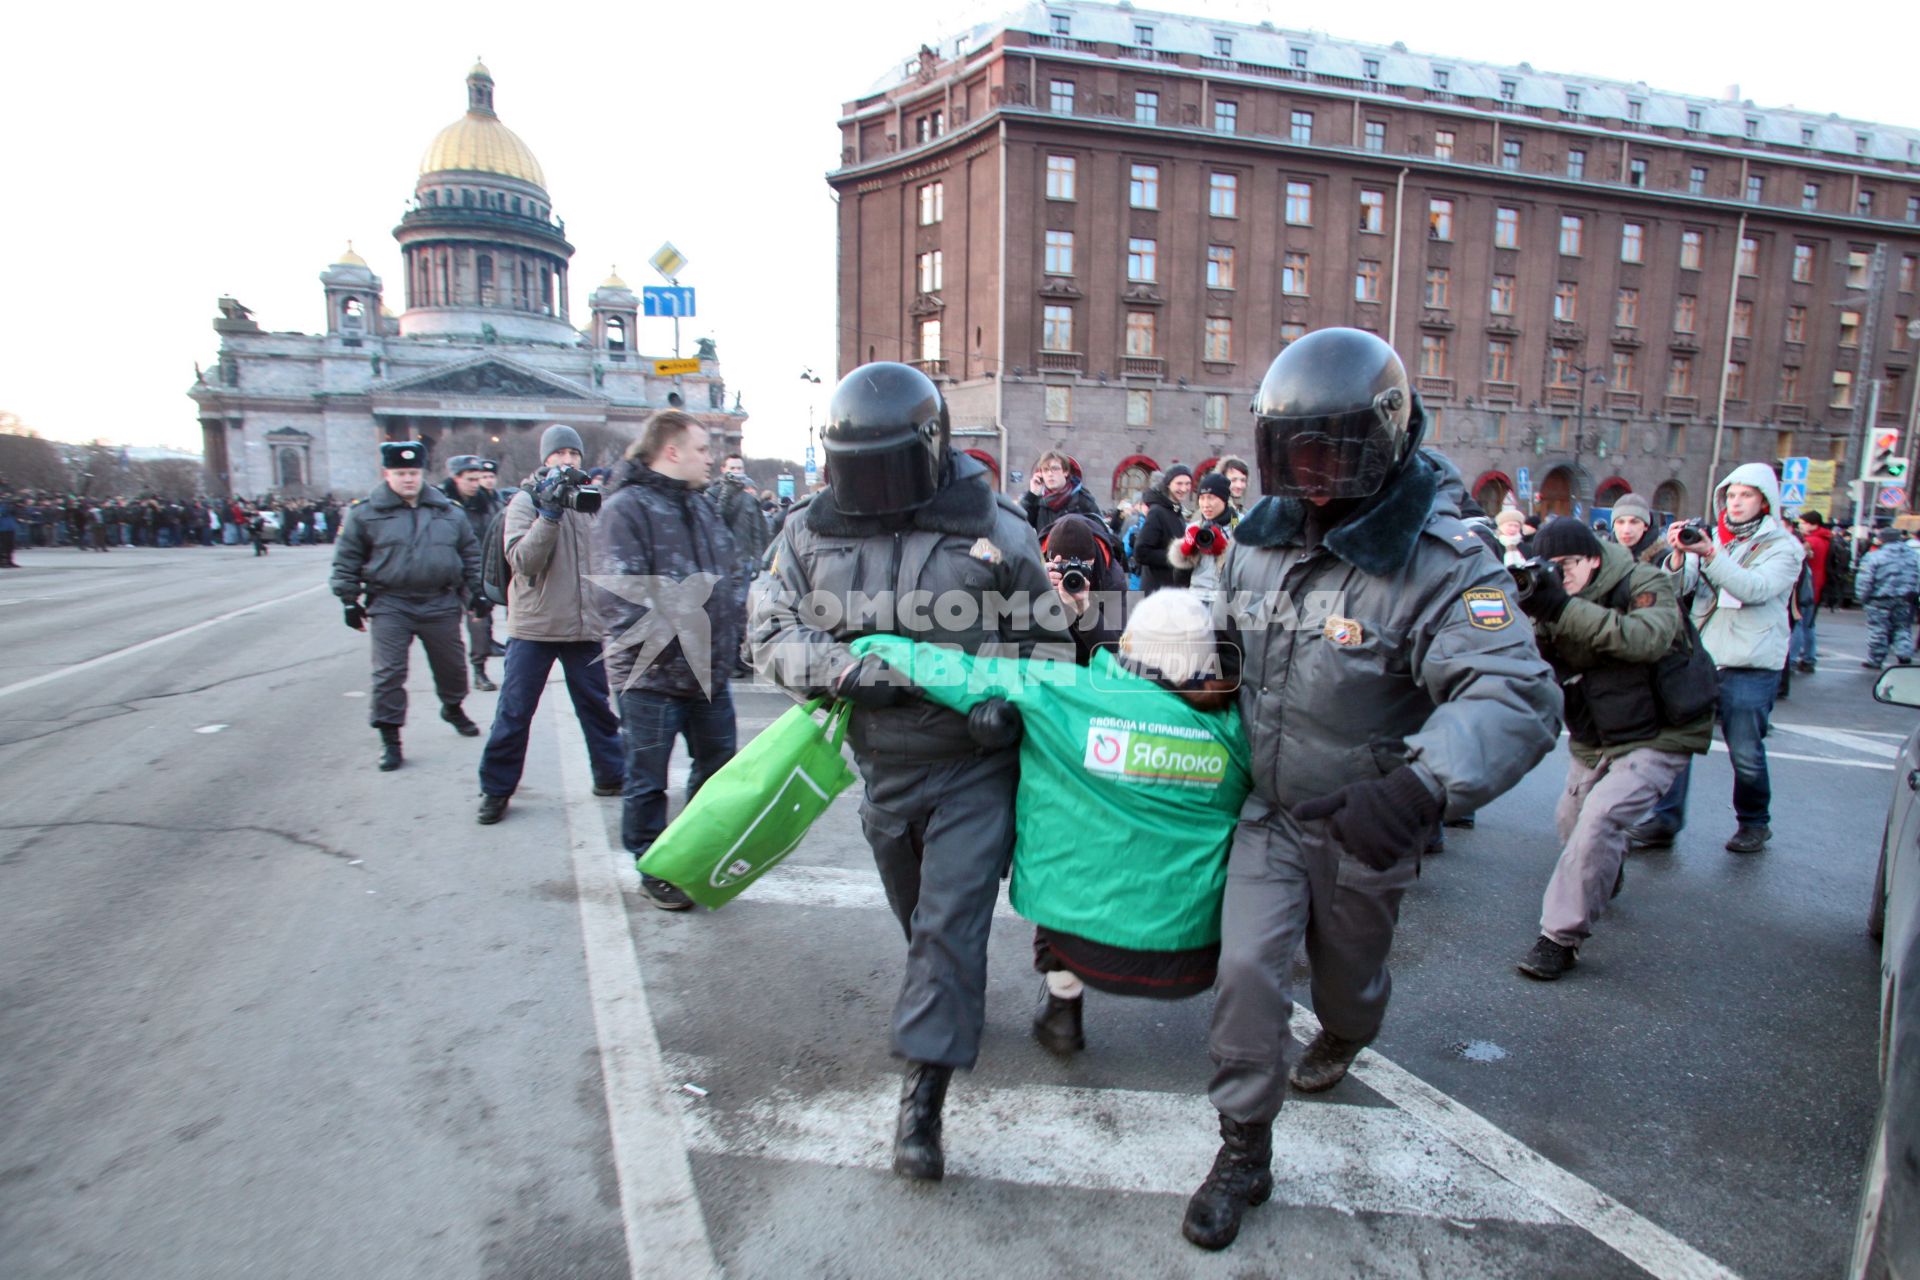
pixel 1487 608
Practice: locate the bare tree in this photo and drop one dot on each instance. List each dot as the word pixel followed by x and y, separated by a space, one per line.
pixel 27 461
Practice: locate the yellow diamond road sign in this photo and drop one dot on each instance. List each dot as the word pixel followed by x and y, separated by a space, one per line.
pixel 668 261
pixel 668 368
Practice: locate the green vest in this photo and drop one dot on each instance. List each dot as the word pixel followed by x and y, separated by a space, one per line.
pixel 1128 795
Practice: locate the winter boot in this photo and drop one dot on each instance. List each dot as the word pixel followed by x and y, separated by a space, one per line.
pixel 1547 961
pixel 453 715
pixel 1056 1023
pixel 1325 1062
pixel 389 747
pixel 492 809
pixel 1241 1178
pixel 916 1141
pixel 480 680
pixel 1750 838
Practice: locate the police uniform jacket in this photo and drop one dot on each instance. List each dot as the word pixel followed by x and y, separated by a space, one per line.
pixel 1394 641
pixel 480 508
pixel 967 542
pixel 421 559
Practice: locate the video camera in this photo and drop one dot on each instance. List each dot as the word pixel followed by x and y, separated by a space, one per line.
pixel 572 488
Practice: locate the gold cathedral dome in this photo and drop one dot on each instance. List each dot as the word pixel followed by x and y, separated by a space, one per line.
pixel 477 142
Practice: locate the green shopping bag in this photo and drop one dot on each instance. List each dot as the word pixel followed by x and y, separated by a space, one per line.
pixel 751 813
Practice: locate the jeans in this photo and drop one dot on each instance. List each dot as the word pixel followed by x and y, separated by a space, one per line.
pixel 649 723
pixel 1746 702
pixel 1804 646
pixel 524 677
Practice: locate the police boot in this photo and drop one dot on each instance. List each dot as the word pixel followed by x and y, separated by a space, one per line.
pixel 389 747
pixel 453 715
pixel 916 1141
pixel 480 680
pixel 1241 1178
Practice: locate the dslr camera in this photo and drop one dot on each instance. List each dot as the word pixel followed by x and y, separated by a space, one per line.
pixel 1076 576
pixel 574 489
pixel 1692 533
pixel 1206 538
pixel 1529 574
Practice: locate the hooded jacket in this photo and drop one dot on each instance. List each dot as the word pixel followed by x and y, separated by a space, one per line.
pixel 422 559
pixel 1158 535
pixel 1740 596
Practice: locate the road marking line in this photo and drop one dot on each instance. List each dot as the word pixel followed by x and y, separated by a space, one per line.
pixel 1720 748
pixel 659 1207
pixel 47 677
pixel 794 885
pixel 1842 738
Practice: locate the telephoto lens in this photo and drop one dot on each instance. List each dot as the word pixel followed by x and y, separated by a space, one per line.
pixel 1206 537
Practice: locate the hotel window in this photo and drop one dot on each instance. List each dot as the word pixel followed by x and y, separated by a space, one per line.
pixel 1736 380
pixel 1440 219
pixel 1500 296
pixel 1749 264
pixel 1223 46
pixel 1143 257
pixel 1060 97
pixel 1443 144
pixel 1842 394
pixel 1743 318
pixel 1510 154
pixel 1691 243
pixel 1226 116
pixel 1302 127
pixel 1060 175
pixel 1433 355
pixel 1146 107
pixel 930 270
pixel 1139 408
pixel 1223 195
pixel 1060 24
pixel 1376 135
pixel 1860 143
pixel 1560 367
pixel 929 339
pixel 1059 253
pixel 1863 204
pixel 1790 383
pixel 1059 404
pixel 1571 227
pixel 1753 127
pixel 1909 271
pixel 1373 211
pixel 1566 302
pixel 1437 292
pixel 1372 68
pixel 1686 310
pixel 1143 186
pixel 1056 328
pixel 1796 324
pixel 1636 109
pixel 933 203
pixel 1626 371
pixel 1913 208
pixel 1298 55
pixel 1756 188
pixel 1857 269
pixel 1697 181
pixel 1899 333
pixel 1215 418
pixel 1291 331
pixel 1637 173
pixel 1693 119
pixel 1573 99
pixel 1499 361
pixel 1506 228
pixel 1219 266
pixel 1626 308
pixel 1140 333
pixel 1143 35
pixel 1849 328
pixel 1294 276
pixel 1300 204
pixel 1218 346
pixel 1806 135
pixel 1632 242
pixel 1680 376
pixel 1508 88
pixel 1440 78
pixel 1576 163
pixel 1810 196
pixel 1366 281
pixel 1803 264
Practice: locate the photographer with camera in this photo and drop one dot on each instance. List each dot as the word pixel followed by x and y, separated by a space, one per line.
pixel 1639 704
pixel 549 534
pixel 1203 548
pixel 1090 580
pixel 1738 575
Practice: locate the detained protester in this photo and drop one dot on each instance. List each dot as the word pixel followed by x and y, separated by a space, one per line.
pixel 1165 524
pixel 1090 580
pixel 904 513
pixel 1054 490
pixel 1415 691
pixel 1885 584
pixel 1738 574
pixel 1202 549
pixel 464 489
pixel 405 565
pixel 1133 769
pixel 1639 697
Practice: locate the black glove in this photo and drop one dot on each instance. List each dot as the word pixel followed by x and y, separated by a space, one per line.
pixel 1548 598
pixel 1379 822
pixel 478 603
pixel 995 724
pixel 871 684
pixel 356 617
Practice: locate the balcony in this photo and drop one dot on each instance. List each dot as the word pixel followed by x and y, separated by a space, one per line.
pixel 1685 342
pixel 1566 331
pixel 1142 367
pixel 935 368
pixel 1788 412
pixel 1500 322
pixel 1622 398
pixel 1681 406
pixel 1563 393
pixel 1501 392
pixel 1436 388
pixel 1625 336
pixel 1431 318
pixel 1061 362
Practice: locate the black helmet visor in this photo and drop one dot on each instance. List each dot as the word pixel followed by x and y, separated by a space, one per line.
pixel 881 482
pixel 1346 455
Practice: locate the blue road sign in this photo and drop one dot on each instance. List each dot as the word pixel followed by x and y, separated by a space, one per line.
pixel 666 300
pixel 1525 481
pixel 1794 471
pixel 809 455
pixel 1793 493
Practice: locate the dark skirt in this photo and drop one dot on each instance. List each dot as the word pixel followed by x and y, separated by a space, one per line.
pixel 1156 975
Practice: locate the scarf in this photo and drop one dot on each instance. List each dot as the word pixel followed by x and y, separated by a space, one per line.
pixel 1057 499
pixel 1731 532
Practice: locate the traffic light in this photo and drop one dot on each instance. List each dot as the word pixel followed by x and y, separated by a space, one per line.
pixel 1885 463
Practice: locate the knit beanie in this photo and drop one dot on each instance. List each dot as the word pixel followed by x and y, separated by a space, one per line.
pixel 1632 504
pixel 1565 536
pixel 1217 485
pixel 1170 636
pixel 1173 473
pixel 559 436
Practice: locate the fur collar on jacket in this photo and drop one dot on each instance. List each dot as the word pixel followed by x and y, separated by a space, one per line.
pixel 1378 539
pixel 964 507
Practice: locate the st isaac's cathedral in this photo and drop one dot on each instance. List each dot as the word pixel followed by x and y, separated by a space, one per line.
pixel 484 353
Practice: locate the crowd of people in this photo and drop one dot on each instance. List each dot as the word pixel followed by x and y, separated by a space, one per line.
pixel 35 518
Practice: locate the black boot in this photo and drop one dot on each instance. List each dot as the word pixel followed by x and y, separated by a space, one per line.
pixel 916 1142
pixel 453 715
pixel 1241 1178
pixel 1325 1062
pixel 480 680
pixel 390 747
pixel 1056 1023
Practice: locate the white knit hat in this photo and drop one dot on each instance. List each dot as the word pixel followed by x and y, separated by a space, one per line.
pixel 1171 635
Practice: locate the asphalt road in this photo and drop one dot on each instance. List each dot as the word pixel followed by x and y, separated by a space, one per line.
pixel 266 1011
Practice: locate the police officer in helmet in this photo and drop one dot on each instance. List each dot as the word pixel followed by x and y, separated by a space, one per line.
pixel 1407 686
pixel 905 513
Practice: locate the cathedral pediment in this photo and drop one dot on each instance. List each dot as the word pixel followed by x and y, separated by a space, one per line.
pixel 488 377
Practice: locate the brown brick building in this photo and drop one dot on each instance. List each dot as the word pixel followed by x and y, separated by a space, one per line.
pixel 1098 224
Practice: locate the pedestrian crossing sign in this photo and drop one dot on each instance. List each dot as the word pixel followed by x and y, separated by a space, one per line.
pixel 1793 493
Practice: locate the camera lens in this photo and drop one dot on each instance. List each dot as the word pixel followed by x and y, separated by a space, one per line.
pixel 1074 581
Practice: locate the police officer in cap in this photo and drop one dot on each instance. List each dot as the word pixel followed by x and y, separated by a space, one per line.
pixel 465 487
pixel 1414 691
pixel 413 556
pixel 903 512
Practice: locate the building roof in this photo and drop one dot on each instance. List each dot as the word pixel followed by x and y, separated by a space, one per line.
pixel 478 143
pixel 1318 57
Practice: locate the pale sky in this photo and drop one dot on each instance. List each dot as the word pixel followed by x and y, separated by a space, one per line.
pixel 159 156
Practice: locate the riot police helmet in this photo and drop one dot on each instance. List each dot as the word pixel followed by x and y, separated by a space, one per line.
pixel 1334 416
pixel 886 440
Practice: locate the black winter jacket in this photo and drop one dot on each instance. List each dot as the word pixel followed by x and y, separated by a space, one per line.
pixel 425 555
pixel 1164 528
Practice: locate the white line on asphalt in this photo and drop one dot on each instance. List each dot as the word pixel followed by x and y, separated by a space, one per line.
pixel 803 886
pixel 47 677
pixel 1720 748
pixel 1842 738
pixel 666 1234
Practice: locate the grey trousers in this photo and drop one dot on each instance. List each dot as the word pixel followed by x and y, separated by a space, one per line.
pixel 942 838
pixel 1596 808
pixel 480 638
pixel 393 634
pixel 1286 885
pixel 1889 627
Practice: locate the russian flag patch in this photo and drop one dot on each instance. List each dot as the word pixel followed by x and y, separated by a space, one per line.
pixel 1487 608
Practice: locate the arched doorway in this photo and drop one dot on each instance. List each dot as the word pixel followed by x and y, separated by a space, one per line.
pixel 1202 468
pixel 1556 493
pixel 985 459
pixel 1611 490
pixel 1131 476
pixel 1491 491
pixel 1669 500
